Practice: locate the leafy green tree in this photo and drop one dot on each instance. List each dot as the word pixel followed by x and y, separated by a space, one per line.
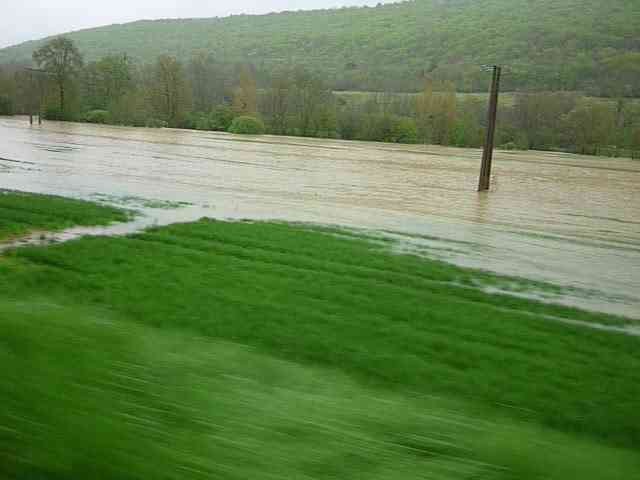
pixel 6 105
pixel 623 72
pixel 537 118
pixel 8 92
pixel 107 81
pixel 62 61
pixel 436 112
pixel 170 91
pixel 207 79
pixel 348 122
pixel 468 131
pixel 245 97
pixel 635 142
pixel 424 112
pixel 590 126
pixel 277 103
pixel 312 104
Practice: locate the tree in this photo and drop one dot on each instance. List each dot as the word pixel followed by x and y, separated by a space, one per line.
pixel 622 73
pixel 8 90
pixel 106 82
pixel 348 122
pixel 445 114
pixel 468 131
pixel 62 60
pixel 6 105
pixel 170 92
pixel 245 97
pixel 537 117
pixel 424 112
pixel 207 81
pixel 635 143
pixel 277 103
pixel 590 126
pixel 313 105
pixel 436 113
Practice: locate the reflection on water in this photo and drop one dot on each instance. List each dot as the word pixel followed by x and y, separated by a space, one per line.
pixel 563 218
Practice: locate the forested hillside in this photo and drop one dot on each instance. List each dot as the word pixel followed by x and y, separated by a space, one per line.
pixel 586 45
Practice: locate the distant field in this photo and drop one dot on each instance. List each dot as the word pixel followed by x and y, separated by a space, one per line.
pixel 261 350
pixel 22 213
pixel 507 99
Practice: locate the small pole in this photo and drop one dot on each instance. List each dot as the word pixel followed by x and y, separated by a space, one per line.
pixel 33 93
pixel 31 99
pixel 487 155
pixel 41 102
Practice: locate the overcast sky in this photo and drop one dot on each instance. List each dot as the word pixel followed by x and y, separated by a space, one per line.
pixel 22 20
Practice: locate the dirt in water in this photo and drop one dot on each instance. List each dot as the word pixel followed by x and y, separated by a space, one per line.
pixel 567 219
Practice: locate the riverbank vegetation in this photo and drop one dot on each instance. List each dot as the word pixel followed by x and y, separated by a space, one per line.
pixel 22 213
pixel 205 93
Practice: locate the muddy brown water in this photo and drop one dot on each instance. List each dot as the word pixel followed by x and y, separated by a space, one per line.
pixel 567 219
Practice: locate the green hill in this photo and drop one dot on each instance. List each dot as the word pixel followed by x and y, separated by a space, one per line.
pixel 587 45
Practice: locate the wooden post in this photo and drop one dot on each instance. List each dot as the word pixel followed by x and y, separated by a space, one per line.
pixel 36 96
pixel 487 155
pixel 40 91
pixel 31 98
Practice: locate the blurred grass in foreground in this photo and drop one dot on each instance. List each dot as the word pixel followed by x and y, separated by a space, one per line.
pixel 261 350
pixel 87 395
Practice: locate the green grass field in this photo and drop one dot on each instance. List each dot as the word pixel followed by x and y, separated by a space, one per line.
pixel 22 213
pixel 259 350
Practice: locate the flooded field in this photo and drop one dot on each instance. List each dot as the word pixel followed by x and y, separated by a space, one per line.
pixel 567 219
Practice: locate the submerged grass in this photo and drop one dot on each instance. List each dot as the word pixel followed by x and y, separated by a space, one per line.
pixel 393 322
pixel 22 213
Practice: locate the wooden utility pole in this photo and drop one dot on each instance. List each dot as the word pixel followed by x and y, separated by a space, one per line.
pixel 487 155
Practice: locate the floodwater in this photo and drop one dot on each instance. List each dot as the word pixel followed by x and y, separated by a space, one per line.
pixel 566 219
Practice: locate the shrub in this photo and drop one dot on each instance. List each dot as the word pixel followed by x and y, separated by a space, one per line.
pixel 53 112
pixel 221 119
pixel 203 123
pixel 98 116
pixel 247 125
pixel 406 131
pixel 196 121
pixel 156 123
pixel 6 105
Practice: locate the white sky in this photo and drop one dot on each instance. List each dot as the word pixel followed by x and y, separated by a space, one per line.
pixel 22 20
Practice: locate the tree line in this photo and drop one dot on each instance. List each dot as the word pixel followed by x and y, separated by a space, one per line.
pixel 205 94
